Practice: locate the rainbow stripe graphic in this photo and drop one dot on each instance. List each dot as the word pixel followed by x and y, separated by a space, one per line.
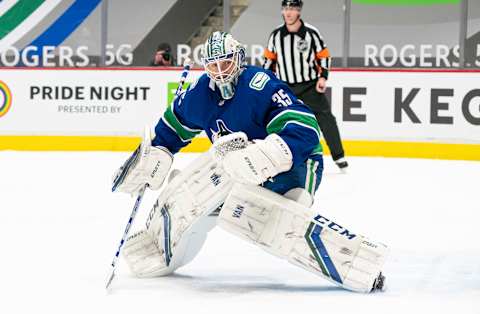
pixel 5 99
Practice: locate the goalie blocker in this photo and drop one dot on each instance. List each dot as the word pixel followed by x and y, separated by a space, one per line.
pixel 298 234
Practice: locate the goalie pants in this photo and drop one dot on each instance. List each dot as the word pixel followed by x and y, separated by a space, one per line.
pixel 306 176
pixel 323 112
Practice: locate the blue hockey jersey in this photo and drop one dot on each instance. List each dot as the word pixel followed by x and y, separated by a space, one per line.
pixel 262 105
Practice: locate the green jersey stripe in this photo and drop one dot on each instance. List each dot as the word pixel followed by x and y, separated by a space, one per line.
pixel 306 120
pixel 318 150
pixel 311 175
pixel 279 121
pixel 185 133
pixel 308 184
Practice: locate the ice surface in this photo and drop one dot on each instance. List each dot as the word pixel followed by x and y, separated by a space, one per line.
pixel 60 226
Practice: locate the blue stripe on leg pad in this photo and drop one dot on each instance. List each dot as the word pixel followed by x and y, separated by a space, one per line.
pixel 166 234
pixel 324 254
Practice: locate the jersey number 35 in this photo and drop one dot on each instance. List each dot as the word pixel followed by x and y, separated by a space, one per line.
pixel 281 98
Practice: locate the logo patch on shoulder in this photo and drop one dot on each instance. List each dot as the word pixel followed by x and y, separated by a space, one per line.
pixel 259 81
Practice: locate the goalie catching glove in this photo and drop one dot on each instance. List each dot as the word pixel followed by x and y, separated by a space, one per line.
pixel 257 162
pixel 147 165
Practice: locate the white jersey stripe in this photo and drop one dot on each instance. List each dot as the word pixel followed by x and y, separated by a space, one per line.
pixel 288 56
pixel 298 60
pixel 280 58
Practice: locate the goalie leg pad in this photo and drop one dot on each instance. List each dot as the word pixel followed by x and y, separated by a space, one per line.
pixel 306 239
pixel 178 224
pixel 145 256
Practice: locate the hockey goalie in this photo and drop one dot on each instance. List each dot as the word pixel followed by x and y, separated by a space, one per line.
pixel 260 174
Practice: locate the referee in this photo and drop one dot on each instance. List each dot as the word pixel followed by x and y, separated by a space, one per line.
pixel 299 56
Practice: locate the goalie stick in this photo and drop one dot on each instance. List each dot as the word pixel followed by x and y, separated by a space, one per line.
pixel 141 192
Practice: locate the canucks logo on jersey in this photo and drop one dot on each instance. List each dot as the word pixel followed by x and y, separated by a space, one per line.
pixel 222 130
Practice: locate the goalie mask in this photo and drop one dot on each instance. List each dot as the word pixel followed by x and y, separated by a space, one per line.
pixel 223 59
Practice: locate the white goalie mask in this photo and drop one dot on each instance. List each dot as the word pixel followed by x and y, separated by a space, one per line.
pixel 223 59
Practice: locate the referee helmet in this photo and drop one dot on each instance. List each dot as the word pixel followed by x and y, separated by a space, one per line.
pixel 292 3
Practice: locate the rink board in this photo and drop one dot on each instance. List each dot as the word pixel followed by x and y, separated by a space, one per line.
pixel 394 113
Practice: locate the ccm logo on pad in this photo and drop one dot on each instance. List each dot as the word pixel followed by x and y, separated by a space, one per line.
pixel 334 226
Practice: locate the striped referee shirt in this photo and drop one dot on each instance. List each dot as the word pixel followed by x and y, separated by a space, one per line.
pixel 297 57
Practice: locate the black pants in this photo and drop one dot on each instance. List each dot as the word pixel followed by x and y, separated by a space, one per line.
pixel 320 106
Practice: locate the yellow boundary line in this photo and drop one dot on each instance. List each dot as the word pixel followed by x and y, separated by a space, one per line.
pixel 353 148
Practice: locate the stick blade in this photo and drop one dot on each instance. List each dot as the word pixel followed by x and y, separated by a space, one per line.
pixel 110 279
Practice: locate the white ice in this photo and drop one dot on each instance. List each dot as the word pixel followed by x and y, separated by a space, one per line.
pixel 60 226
